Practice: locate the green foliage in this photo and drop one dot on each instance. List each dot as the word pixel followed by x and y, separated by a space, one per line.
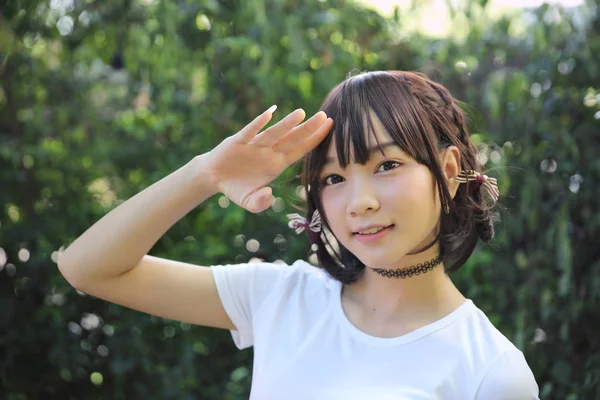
pixel 98 100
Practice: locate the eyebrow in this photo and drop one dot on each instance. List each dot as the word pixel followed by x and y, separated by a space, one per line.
pixel 371 150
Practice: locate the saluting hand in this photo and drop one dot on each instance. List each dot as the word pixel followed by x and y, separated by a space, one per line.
pixel 243 164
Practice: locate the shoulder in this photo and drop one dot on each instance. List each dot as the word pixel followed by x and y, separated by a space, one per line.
pixel 508 378
pixel 494 361
pixel 481 332
pixel 270 274
pixel 302 278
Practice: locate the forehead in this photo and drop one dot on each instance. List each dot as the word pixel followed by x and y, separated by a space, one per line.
pixel 379 135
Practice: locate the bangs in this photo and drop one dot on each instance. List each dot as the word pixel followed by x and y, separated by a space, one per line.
pixel 352 105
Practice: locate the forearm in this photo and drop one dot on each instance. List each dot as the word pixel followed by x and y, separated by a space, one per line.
pixel 117 242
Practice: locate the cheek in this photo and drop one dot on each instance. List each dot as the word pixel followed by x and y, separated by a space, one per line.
pixel 334 207
pixel 414 195
pixel 330 206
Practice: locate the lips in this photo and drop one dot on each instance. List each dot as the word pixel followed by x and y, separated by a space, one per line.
pixel 384 227
pixel 373 238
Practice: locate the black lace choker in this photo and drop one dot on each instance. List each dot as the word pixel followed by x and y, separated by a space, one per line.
pixel 418 269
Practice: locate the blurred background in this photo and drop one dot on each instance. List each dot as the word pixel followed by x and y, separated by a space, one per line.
pixel 100 99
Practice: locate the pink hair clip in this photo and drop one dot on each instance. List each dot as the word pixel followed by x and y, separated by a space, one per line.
pixel 299 223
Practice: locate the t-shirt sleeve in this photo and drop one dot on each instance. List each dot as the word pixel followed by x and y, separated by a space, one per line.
pixel 509 378
pixel 243 288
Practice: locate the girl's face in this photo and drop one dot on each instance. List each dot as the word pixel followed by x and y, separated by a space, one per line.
pixel 391 189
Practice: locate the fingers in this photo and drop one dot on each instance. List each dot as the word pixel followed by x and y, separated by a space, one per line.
pixel 309 142
pixel 249 131
pixel 280 129
pixel 300 133
pixel 260 200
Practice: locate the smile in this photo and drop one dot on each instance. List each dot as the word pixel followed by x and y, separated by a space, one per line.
pixel 370 237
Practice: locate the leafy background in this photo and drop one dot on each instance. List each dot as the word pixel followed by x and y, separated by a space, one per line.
pixel 100 99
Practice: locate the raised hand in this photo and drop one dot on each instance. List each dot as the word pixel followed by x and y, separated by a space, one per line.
pixel 243 164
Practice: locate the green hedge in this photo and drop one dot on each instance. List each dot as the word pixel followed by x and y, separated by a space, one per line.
pixel 100 99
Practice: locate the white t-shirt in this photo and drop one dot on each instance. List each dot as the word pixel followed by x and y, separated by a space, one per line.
pixel 306 348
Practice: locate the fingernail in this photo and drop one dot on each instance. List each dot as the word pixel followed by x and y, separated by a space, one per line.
pixel 272 109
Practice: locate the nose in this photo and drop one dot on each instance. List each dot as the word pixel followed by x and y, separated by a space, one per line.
pixel 363 198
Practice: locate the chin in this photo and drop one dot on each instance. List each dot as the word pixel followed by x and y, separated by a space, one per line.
pixel 373 262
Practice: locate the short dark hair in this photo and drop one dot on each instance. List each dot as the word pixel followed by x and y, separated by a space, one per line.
pixel 423 118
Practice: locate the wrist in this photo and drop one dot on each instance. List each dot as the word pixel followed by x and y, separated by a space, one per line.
pixel 201 176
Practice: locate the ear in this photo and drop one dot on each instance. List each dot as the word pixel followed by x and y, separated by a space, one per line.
pixel 450 164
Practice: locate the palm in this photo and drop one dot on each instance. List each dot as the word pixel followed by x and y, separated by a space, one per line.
pixel 243 164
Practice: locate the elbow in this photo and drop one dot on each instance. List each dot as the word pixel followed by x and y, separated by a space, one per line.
pixel 69 273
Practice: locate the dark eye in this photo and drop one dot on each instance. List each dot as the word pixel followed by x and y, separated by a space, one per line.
pixel 326 180
pixel 389 163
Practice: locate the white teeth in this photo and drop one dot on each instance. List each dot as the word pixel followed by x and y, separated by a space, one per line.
pixel 370 231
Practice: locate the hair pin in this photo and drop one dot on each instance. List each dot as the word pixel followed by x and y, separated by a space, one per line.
pixel 299 223
pixel 488 184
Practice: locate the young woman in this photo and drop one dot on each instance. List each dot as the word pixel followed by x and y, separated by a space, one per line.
pixel 395 200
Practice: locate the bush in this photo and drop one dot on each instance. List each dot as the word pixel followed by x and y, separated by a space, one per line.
pixel 98 100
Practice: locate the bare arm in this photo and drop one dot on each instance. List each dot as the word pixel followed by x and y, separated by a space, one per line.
pixel 117 242
pixel 110 259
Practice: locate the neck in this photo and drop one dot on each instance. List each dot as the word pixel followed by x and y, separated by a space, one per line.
pixel 428 295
